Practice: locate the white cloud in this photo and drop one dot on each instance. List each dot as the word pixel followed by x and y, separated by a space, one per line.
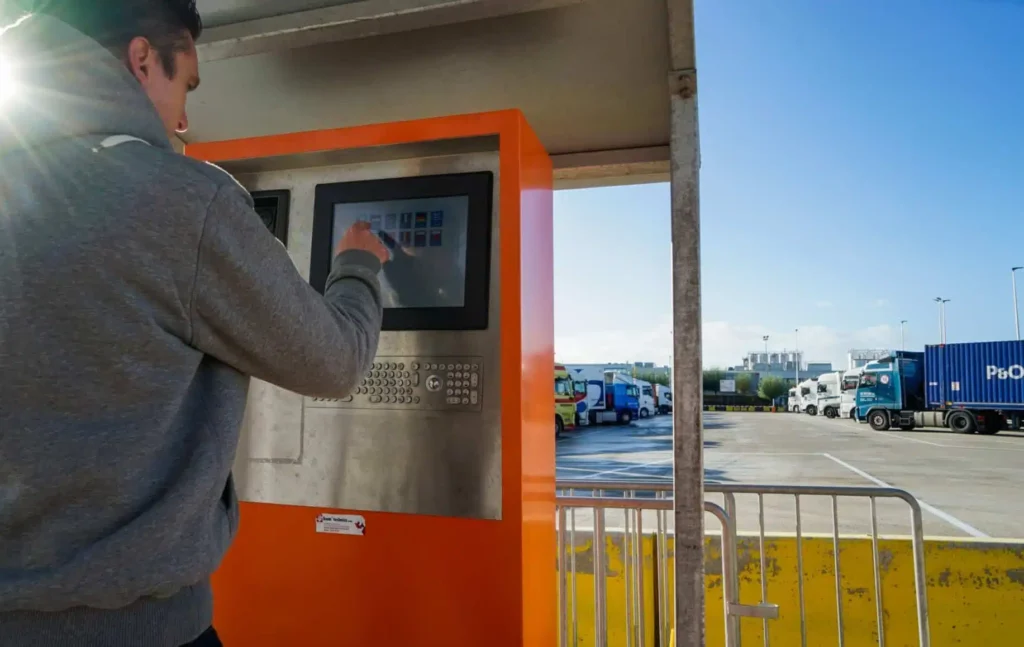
pixel 725 343
pixel 651 345
pixel 823 304
pixel 881 303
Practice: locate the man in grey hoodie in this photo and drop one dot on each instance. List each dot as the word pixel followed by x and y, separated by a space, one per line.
pixel 139 291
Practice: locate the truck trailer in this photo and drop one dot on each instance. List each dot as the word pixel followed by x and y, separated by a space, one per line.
pixel 607 399
pixel 969 388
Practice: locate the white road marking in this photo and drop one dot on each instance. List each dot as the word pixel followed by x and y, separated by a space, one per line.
pixel 897 437
pixel 945 516
pixel 630 467
pixel 718 453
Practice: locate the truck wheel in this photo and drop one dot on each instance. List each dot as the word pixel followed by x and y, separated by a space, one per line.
pixel 559 426
pixel 879 420
pixel 812 410
pixel 626 417
pixel 962 422
pixel 830 412
pixel 644 414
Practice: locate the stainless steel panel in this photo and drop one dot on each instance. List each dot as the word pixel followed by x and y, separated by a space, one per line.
pixel 436 456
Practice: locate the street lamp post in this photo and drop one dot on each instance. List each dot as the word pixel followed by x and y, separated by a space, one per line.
pixel 1016 315
pixel 796 352
pixel 942 318
pixel 765 338
pixel 903 343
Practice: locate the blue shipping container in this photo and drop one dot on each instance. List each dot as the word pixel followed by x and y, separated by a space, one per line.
pixel 980 375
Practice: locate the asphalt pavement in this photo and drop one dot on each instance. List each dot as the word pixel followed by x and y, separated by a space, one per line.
pixel 968 486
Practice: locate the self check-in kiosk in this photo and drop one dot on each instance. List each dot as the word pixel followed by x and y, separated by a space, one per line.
pixel 419 509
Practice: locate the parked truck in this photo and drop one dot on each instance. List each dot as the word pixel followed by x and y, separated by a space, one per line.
pixel 606 399
pixel 793 400
pixel 808 397
pixel 829 395
pixel 565 401
pixel 848 400
pixel 645 392
pixel 662 399
pixel 969 387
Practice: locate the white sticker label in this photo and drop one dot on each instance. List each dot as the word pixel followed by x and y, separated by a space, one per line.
pixel 955 386
pixel 341 524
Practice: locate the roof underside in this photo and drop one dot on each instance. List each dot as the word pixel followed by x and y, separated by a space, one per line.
pixel 591 76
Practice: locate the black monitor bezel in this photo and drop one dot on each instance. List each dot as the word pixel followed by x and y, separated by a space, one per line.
pixel 284 200
pixel 477 186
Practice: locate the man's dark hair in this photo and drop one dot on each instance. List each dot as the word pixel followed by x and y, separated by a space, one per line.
pixel 114 23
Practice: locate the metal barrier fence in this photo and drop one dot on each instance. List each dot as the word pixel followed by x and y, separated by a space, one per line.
pixel 633 499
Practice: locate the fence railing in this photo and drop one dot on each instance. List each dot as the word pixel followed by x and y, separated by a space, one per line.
pixel 638 506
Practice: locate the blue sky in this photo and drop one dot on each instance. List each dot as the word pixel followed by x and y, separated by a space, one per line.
pixel 859 159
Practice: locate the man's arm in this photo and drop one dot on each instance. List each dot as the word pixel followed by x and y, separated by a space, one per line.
pixel 251 308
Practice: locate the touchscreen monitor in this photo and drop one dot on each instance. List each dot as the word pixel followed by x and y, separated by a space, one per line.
pixel 427 241
pixel 437 230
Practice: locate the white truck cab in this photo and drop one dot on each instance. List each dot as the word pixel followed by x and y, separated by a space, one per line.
pixel 663 399
pixel 809 397
pixel 848 401
pixel 793 402
pixel 829 394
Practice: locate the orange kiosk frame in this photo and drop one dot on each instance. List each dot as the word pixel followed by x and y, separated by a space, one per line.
pixel 416 580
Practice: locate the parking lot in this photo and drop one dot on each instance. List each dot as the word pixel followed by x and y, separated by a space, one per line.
pixel 968 486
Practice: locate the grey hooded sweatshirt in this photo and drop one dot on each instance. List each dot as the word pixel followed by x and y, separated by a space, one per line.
pixel 139 291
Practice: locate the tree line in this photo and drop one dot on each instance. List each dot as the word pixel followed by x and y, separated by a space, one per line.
pixel 768 388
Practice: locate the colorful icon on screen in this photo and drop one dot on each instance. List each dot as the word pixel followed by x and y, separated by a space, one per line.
pixel 437 219
pixel 435 238
pixel 406 221
pixel 405 238
pixel 389 238
pixel 391 221
pixel 421 239
pixel 421 220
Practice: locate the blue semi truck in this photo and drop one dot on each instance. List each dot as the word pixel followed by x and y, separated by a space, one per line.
pixel 969 388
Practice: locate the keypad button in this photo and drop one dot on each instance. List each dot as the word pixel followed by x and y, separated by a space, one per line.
pixel 474 397
pixel 416 399
pixel 465 400
pixel 476 367
pixel 451 367
pixel 474 380
pixel 375 399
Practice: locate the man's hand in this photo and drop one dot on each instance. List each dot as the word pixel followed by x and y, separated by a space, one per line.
pixel 359 236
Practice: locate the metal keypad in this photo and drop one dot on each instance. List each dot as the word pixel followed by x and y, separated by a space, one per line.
pixel 416 383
